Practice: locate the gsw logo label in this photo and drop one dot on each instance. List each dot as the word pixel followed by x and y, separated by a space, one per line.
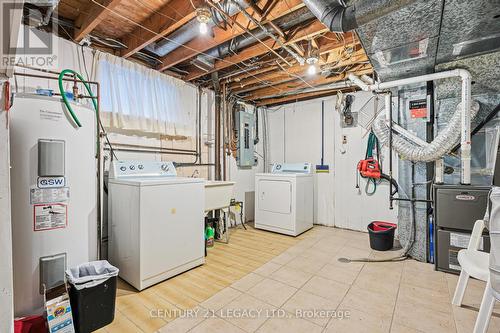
pixel 50 182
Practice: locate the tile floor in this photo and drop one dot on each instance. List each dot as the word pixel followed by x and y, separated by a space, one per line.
pixel 287 294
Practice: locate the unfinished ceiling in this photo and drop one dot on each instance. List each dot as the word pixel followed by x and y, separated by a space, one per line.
pixel 262 51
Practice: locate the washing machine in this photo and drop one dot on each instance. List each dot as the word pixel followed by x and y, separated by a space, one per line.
pixel 155 221
pixel 284 198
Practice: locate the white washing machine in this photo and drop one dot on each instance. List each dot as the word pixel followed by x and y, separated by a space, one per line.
pixel 155 221
pixel 284 199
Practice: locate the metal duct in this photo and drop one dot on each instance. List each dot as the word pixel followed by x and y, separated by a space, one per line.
pixel 285 23
pixel 188 32
pixel 339 17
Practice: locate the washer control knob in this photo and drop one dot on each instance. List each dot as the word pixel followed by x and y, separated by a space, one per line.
pixel 165 167
pixel 122 168
pixel 140 166
pixel 132 167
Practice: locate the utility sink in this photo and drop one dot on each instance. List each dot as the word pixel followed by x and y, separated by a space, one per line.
pixel 218 194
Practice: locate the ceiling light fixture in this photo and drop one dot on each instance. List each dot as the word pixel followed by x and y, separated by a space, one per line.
pixel 203 16
pixel 312 58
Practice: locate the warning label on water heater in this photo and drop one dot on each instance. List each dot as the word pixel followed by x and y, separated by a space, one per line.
pixel 46 195
pixel 50 216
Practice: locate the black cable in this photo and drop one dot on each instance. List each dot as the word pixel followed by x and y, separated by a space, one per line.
pixel 99 118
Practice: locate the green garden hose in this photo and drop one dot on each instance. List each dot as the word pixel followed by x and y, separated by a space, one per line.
pixel 68 105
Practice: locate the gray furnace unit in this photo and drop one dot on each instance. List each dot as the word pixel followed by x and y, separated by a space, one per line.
pixel 456 209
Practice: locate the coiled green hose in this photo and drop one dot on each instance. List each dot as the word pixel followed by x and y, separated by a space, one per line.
pixel 68 105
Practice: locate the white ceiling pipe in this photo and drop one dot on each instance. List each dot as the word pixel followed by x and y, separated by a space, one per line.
pixel 367 79
pixel 465 135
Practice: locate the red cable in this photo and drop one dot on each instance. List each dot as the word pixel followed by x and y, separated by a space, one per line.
pixel 7 96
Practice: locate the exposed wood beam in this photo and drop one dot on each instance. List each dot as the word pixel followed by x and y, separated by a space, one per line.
pixel 298 84
pixel 85 23
pixel 163 22
pixel 204 43
pixel 314 28
pixel 358 56
pixel 300 97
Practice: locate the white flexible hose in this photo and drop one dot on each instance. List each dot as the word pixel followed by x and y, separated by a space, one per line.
pixel 426 152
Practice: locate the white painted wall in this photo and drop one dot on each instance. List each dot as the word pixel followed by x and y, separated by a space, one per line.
pixel 295 136
pixel 245 178
pixel 6 284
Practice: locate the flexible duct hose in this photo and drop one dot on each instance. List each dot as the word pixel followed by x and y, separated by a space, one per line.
pixel 429 152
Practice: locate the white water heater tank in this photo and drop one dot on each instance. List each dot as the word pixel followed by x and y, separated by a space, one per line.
pixel 54 193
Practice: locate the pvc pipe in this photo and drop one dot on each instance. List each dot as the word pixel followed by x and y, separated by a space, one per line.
pixel 439 171
pixel 465 104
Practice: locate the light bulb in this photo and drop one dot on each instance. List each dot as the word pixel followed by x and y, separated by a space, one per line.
pixel 203 28
pixel 311 70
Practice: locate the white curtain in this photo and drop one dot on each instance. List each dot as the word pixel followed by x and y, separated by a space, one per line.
pixel 137 98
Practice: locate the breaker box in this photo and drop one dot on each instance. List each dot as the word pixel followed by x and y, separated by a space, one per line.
pixel 245 123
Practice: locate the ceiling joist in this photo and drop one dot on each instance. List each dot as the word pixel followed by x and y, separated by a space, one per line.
pixel 204 43
pixel 259 49
pixel 85 23
pixel 169 18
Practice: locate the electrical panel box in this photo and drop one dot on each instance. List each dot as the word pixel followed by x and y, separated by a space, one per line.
pixel 245 134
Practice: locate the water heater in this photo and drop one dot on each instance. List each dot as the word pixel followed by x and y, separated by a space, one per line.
pixel 54 195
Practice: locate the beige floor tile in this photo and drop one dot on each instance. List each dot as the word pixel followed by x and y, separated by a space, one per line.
pixel 359 321
pixel 379 279
pixel 306 264
pixel 315 254
pixel 396 328
pixel 429 298
pixel 344 273
pixel 465 319
pixel 187 321
pixel 247 282
pixel 247 312
pixel 369 302
pixel 291 276
pixel 267 269
pixel 215 325
pixel 284 258
pixel 320 286
pixel 289 325
pixel 220 299
pixel 272 292
pixel 422 318
pixel 310 307
pixel 425 279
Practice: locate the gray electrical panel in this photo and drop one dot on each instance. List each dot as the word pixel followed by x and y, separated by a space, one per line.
pixel 50 158
pixel 245 134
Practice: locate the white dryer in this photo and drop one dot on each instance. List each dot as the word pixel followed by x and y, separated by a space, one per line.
pixel 284 199
pixel 155 221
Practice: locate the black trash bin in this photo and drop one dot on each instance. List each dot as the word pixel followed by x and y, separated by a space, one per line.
pixel 381 235
pixel 92 293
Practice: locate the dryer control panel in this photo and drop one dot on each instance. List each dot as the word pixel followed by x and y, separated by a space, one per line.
pixel 131 168
pixel 292 168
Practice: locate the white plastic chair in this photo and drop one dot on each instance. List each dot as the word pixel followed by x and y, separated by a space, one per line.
pixel 473 262
pixel 486 309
